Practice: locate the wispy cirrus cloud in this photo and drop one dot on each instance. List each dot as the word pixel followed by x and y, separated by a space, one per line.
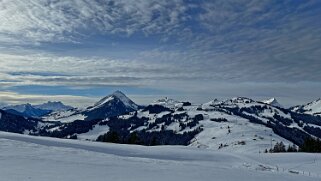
pixel 186 46
pixel 34 21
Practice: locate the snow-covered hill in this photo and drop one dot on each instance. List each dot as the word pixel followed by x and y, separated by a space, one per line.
pixel 313 108
pixel 39 158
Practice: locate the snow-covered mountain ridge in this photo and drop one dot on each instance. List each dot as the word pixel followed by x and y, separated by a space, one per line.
pixel 313 108
pixel 236 124
pixel 39 110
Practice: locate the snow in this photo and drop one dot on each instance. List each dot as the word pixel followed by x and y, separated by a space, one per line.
pixel 125 100
pixel 65 116
pixel 209 105
pixel 66 119
pixel 38 158
pixel 102 102
pixel 255 136
pixel 94 133
pixel 167 102
pixel 243 136
pixel 273 102
pixel 117 94
pixel 314 107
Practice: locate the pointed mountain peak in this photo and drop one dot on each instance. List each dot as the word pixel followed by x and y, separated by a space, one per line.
pixel 273 102
pixel 116 95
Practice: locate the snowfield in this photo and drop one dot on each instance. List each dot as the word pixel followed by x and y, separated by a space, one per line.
pixel 25 157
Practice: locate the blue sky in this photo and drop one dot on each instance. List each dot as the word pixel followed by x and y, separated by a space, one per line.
pixel 77 51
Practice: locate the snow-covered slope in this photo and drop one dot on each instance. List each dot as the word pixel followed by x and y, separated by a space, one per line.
pixel 65 116
pixel 38 158
pixel 313 108
pixel 273 102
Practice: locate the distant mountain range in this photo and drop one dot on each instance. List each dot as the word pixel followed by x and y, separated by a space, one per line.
pixel 37 111
pixel 234 124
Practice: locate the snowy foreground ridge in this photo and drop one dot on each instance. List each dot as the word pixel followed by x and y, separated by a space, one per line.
pixel 25 157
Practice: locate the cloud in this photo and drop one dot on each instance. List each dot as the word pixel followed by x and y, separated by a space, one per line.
pixel 12 98
pixel 186 46
pixel 34 21
pixel 53 70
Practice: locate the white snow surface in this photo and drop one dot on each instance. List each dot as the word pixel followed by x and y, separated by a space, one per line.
pixel 38 158
pixel 94 133
pixel 313 108
pixel 166 102
pixel 65 116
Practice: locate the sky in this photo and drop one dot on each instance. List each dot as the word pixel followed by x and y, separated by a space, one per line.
pixel 78 51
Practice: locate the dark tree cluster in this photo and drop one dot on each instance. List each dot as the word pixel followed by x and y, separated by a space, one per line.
pixel 166 137
pixel 311 145
pixel 219 120
pixel 156 109
pixel 280 147
pixel 70 129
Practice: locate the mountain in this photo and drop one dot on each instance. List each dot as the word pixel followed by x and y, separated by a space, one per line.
pixel 37 111
pixel 273 102
pixel 313 108
pixel 26 110
pixel 114 104
pixel 237 124
pixel 10 122
pixel 166 102
pixel 53 106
